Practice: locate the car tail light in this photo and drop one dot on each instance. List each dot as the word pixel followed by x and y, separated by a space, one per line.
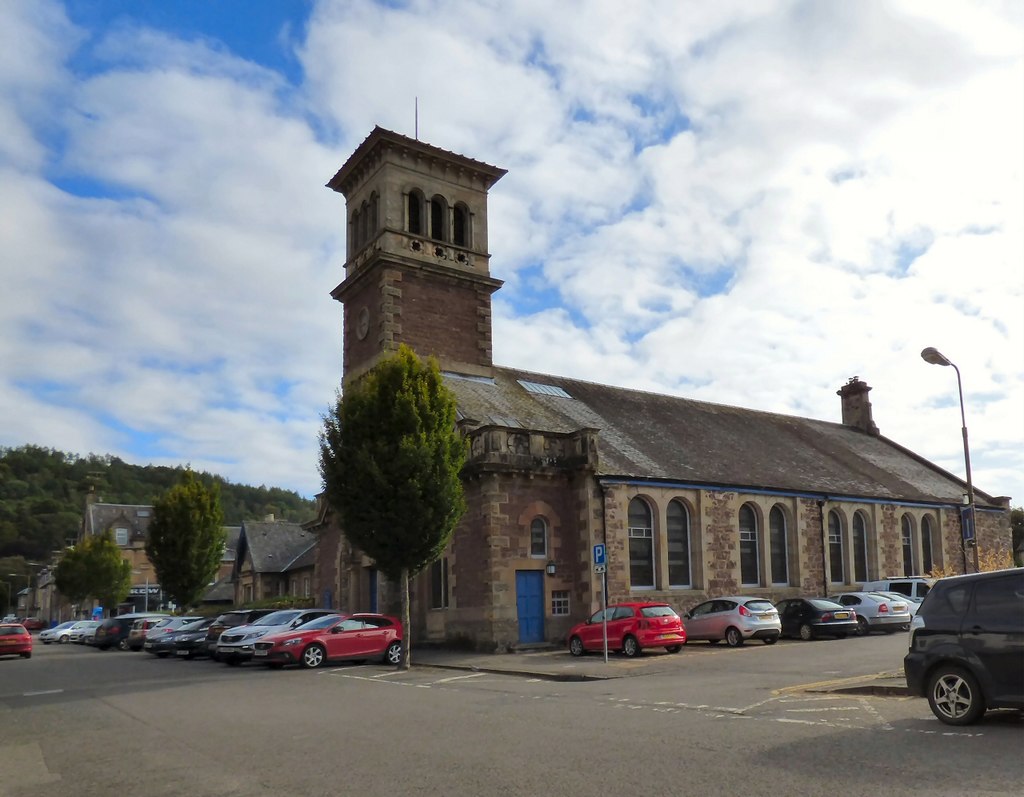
pixel 883 608
pixel 826 617
pixel 745 611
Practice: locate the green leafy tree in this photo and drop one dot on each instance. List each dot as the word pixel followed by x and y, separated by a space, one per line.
pixel 390 457
pixel 186 538
pixel 96 569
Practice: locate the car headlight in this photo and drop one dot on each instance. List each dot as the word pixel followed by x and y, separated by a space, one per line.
pixel 289 643
pixel 255 634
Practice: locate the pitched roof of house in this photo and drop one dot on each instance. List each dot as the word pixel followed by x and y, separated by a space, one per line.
pixel 135 517
pixel 273 545
pixel 650 436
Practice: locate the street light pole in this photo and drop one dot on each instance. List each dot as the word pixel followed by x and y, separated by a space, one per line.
pixel 935 357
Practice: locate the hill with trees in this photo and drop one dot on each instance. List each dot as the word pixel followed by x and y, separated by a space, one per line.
pixel 43 493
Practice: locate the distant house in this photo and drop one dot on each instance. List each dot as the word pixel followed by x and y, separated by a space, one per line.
pixel 129 526
pixel 274 558
pixel 689 499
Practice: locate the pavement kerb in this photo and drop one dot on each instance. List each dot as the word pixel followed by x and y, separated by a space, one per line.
pixel 882 684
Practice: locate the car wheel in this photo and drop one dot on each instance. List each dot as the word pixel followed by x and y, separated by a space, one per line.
pixel 954 696
pixel 806 632
pixel 576 646
pixel 393 655
pixel 862 627
pixel 674 648
pixel 122 645
pixel 631 647
pixel 63 640
pixel 770 640
pixel 733 637
pixel 313 656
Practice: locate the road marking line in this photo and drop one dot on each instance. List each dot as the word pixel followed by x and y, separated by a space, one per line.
pixel 459 678
pixel 44 692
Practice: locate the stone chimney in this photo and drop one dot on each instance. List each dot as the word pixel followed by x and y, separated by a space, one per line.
pixel 856 407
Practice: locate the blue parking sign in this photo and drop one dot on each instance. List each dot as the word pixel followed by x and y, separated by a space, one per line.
pixel 599 554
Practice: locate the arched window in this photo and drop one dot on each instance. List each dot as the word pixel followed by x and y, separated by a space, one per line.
pixel 438 220
pixel 748 546
pixel 460 225
pixel 860 547
pixel 929 558
pixel 907 535
pixel 678 533
pixel 374 209
pixel 364 233
pixel 538 538
pixel 641 545
pixel 415 212
pixel 355 231
pixel 835 548
pixel 778 545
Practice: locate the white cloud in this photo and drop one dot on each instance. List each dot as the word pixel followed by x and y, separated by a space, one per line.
pixel 740 202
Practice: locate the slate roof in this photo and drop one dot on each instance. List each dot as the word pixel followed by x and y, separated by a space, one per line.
pixel 649 436
pixel 273 545
pixel 100 516
pixel 222 591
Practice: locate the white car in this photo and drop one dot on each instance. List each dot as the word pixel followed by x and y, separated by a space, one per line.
pixel 82 629
pixel 877 611
pixel 59 633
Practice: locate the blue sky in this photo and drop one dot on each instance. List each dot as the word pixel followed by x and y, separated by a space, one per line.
pixel 740 202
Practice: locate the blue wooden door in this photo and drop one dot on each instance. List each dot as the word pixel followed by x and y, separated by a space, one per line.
pixel 530 605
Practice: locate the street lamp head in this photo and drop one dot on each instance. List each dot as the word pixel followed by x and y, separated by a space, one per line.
pixel 934 356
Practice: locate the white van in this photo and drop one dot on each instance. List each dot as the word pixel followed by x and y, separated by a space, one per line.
pixel 914 587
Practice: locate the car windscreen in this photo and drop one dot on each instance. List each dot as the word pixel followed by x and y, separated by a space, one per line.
pixel 760 606
pixel 278 618
pixel 819 603
pixel 11 630
pixel 321 622
pixel 658 611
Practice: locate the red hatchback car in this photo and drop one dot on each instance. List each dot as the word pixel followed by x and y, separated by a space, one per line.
pixel 631 628
pixel 15 640
pixel 332 638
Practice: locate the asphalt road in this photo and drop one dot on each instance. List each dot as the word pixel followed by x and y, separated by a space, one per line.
pixel 75 721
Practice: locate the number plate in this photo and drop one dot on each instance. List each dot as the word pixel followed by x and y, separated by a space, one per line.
pixel 841 615
pixel 260 653
pixel 181 652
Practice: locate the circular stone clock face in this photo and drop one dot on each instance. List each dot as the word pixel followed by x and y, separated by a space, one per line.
pixel 363 323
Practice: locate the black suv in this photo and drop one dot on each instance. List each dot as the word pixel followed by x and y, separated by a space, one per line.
pixel 967 646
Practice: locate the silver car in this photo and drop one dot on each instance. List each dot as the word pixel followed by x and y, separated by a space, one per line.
pixel 876 611
pixel 237 644
pixel 82 630
pixel 735 619
pixel 59 633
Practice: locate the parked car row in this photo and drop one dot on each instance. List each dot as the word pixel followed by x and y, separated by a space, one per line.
pixel 735 619
pixel 305 637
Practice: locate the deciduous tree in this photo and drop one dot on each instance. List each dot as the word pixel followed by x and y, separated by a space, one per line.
pixel 390 457
pixel 186 538
pixel 94 569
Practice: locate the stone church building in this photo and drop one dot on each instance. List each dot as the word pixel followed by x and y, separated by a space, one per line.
pixel 691 499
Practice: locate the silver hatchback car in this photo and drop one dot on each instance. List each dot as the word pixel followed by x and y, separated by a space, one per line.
pixel 735 619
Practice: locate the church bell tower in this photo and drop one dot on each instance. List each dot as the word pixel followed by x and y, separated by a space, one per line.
pixel 417 266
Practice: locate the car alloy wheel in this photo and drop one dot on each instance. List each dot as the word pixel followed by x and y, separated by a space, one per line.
pixel 806 632
pixel 63 640
pixel 862 626
pixel 122 645
pixel 631 647
pixel 576 646
pixel 954 696
pixel 733 637
pixel 313 656
pixel 393 655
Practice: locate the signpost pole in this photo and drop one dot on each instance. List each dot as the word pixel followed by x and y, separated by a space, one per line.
pixel 604 614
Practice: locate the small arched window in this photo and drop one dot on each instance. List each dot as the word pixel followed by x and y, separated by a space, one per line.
pixel 927 546
pixel 538 538
pixel 414 212
pixel 460 225
pixel 860 547
pixel 641 545
pixel 678 533
pixel 907 535
pixel 749 564
pixel 355 231
pixel 779 546
pixel 438 220
pixel 835 548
